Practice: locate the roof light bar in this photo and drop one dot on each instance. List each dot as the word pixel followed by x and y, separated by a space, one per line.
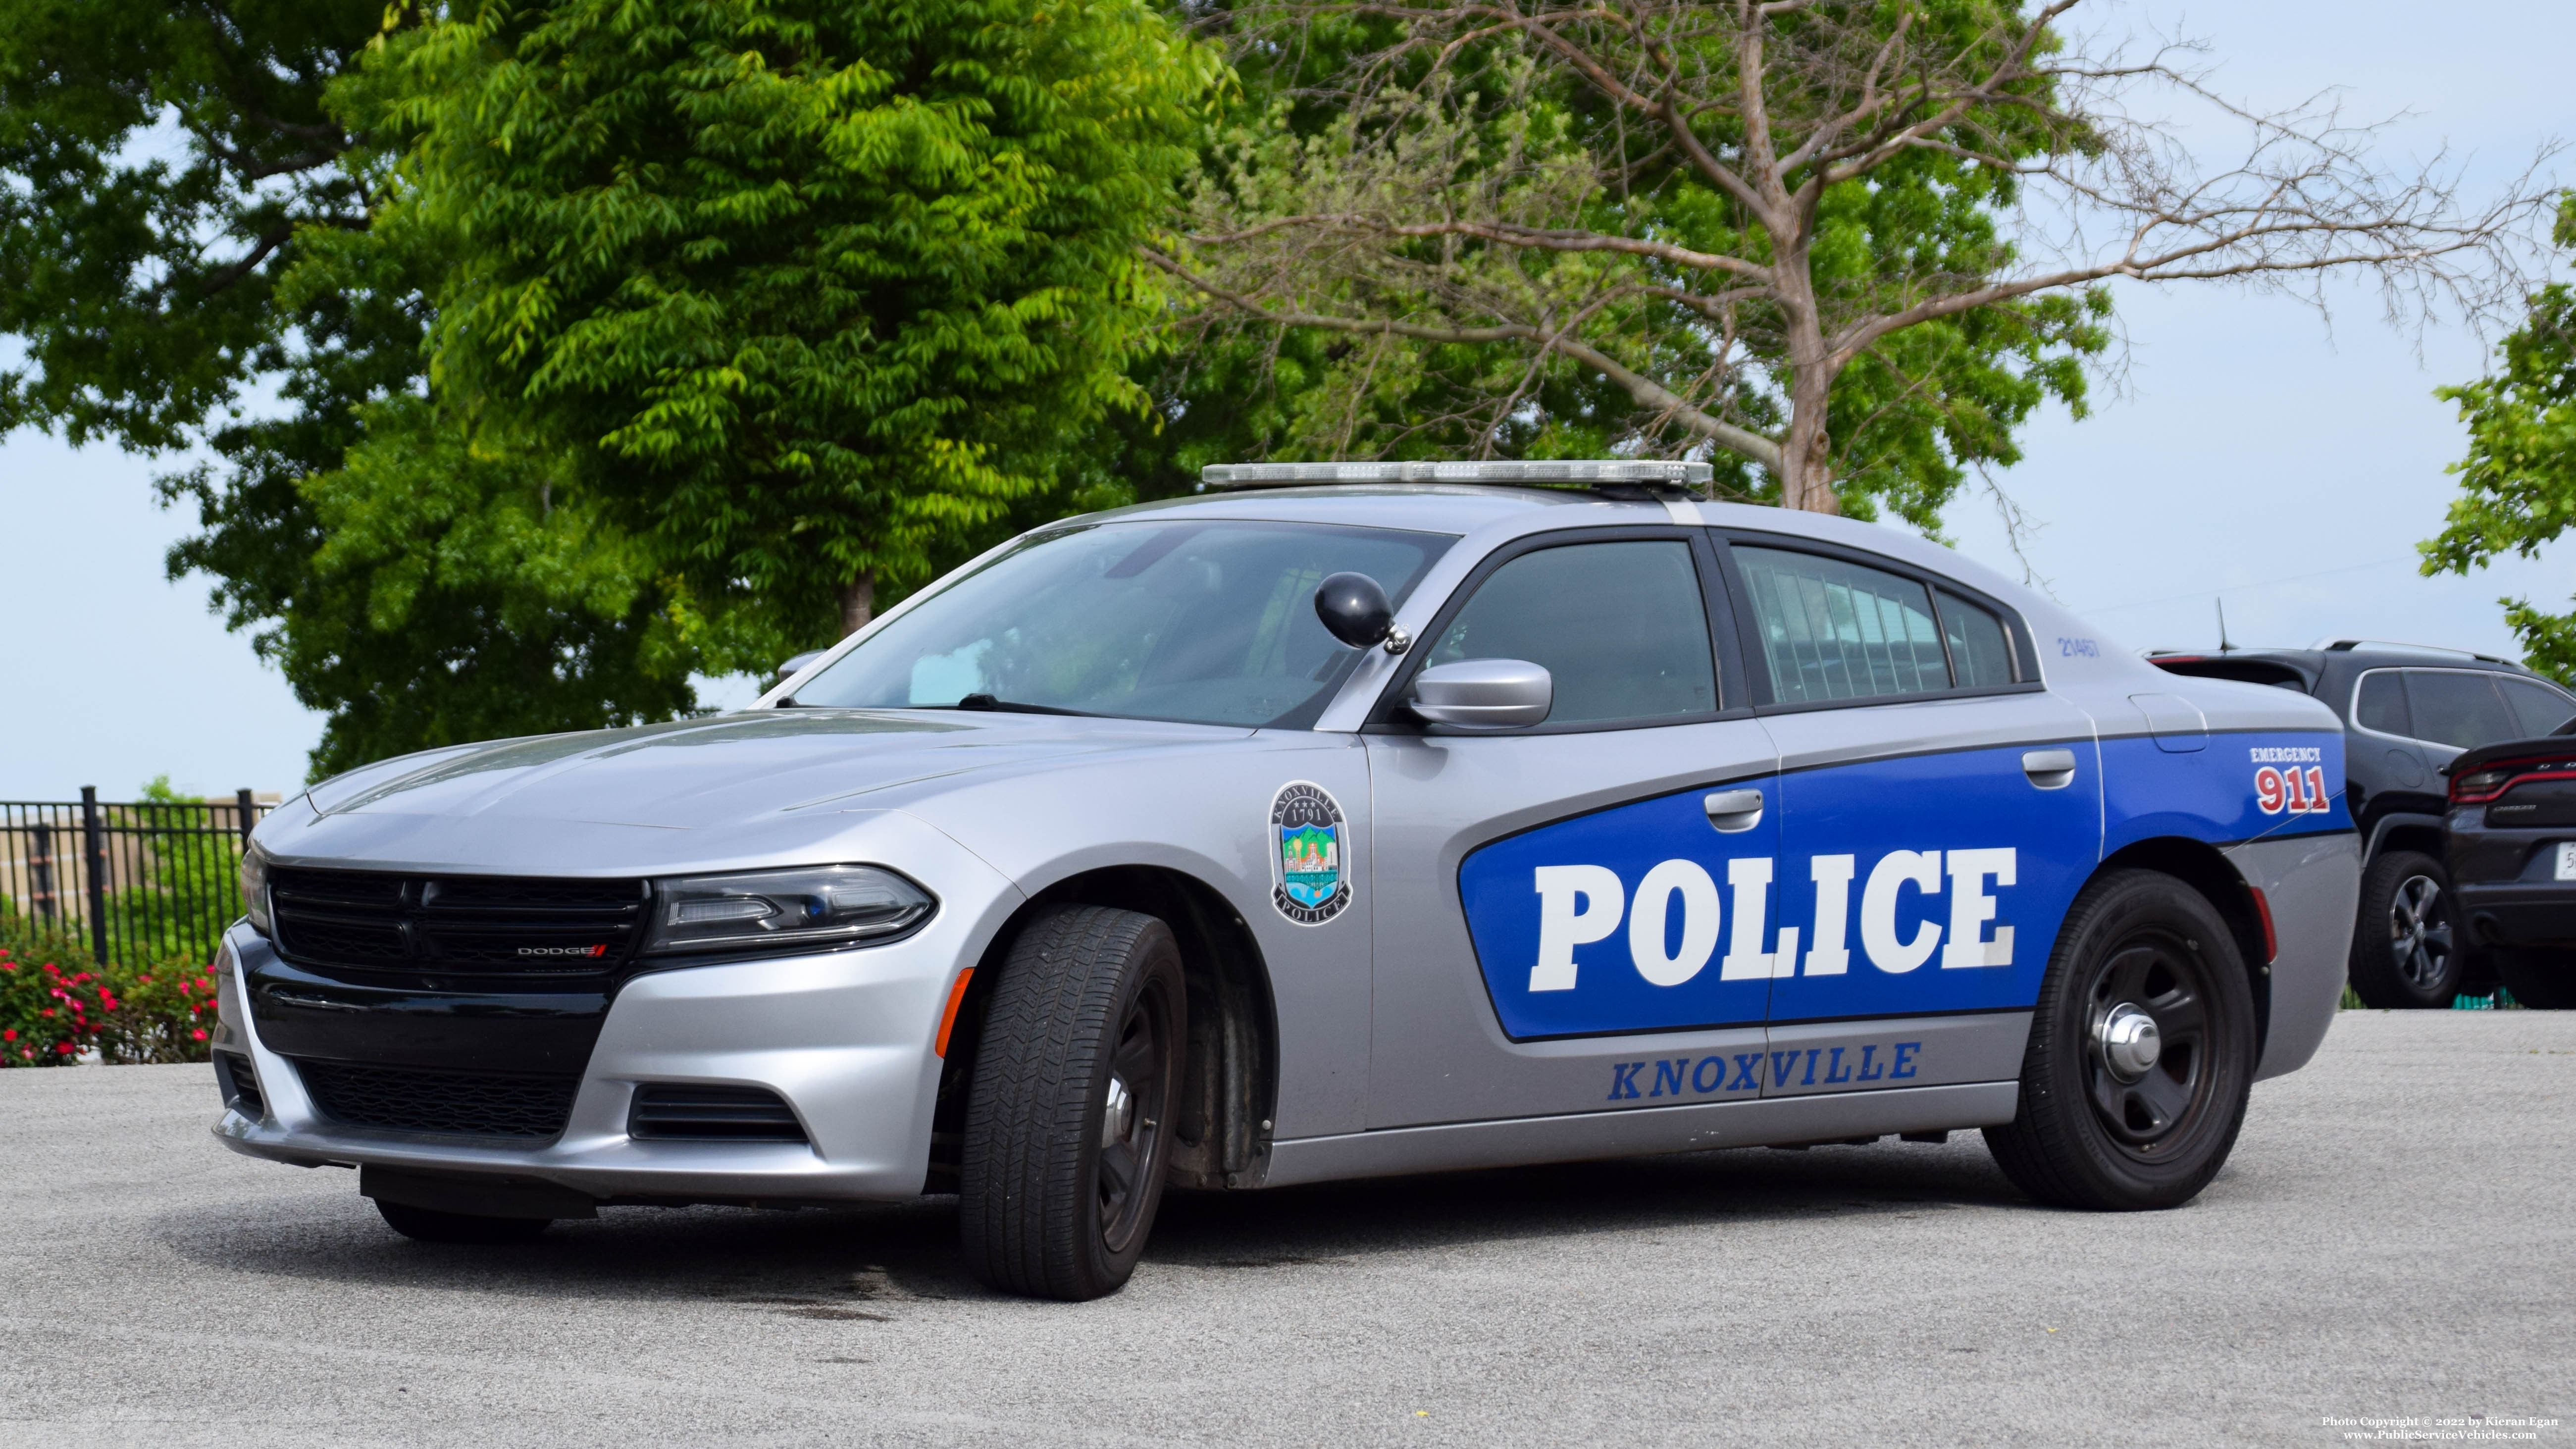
pixel 1611 470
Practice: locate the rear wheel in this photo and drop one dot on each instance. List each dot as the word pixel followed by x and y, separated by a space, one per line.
pixel 2141 1052
pixel 2543 980
pixel 1070 1113
pixel 2407 953
pixel 429 1225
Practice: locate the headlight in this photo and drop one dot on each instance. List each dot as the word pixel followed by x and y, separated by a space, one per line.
pixel 821 905
pixel 254 888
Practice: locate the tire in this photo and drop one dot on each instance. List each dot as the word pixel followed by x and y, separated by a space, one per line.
pixel 2541 980
pixel 429 1225
pixel 1056 1191
pixel 2083 1137
pixel 2408 953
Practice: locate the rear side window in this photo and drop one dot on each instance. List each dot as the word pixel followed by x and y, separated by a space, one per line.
pixel 2380 704
pixel 2540 708
pixel 2458 708
pixel 1979 650
pixel 1620 627
pixel 1834 631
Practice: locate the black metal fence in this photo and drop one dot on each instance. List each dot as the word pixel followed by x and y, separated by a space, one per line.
pixel 140 880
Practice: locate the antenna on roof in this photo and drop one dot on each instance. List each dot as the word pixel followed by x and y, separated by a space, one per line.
pixel 2223 645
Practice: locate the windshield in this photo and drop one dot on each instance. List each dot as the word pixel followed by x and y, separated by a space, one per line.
pixel 1207 623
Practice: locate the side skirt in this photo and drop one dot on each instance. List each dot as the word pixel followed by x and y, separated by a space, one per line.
pixel 1637 1132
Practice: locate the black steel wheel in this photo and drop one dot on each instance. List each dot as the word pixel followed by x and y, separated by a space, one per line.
pixel 2407 953
pixel 429 1225
pixel 1070 1113
pixel 2541 980
pixel 2141 1052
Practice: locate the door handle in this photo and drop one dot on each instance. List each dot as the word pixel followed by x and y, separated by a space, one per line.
pixel 2049 769
pixel 1733 811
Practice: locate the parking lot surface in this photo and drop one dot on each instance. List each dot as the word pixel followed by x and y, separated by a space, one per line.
pixel 2392 1238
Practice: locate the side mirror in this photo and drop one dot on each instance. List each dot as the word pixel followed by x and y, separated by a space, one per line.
pixel 794 663
pixel 1484 693
pixel 1355 610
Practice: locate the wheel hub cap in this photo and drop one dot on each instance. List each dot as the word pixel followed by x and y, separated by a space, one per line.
pixel 2128 1041
pixel 1119 1118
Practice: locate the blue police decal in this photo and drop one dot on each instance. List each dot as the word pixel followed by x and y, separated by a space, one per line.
pixel 2239 787
pixel 1920 885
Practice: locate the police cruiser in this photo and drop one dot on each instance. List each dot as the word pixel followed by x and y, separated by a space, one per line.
pixel 1341 820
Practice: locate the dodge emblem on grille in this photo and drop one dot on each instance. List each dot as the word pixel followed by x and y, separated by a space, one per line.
pixel 563 950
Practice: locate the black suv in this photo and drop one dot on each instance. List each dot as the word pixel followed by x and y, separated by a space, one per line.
pixel 2407 711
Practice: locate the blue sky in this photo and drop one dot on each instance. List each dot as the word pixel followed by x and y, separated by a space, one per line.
pixel 2255 455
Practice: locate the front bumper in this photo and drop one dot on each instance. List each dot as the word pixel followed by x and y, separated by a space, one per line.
pixel 846 1038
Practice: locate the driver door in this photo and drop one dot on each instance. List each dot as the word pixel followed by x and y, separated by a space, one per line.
pixel 1561 923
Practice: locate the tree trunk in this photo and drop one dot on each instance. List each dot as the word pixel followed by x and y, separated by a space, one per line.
pixel 858 602
pixel 1807 454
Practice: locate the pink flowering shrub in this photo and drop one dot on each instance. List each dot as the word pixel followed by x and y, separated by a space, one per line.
pixel 56 1003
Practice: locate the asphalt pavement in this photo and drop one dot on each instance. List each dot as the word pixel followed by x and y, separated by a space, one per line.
pixel 2391 1240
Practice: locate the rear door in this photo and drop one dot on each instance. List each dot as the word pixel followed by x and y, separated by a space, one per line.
pixel 1939 810
pixel 1562 925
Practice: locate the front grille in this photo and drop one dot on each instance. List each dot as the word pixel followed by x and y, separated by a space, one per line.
pixel 240 1084
pixel 478 925
pixel 460 1102
pixel 734 1114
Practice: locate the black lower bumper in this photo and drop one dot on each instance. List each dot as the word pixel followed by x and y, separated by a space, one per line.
pixel 2520 914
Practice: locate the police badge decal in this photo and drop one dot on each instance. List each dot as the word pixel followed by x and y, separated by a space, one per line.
pixel 1309 875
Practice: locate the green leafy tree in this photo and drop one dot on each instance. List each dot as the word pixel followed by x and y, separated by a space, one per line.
pixel 1848 245
pixel 817 291
pixel 2518 482
pixel 185 211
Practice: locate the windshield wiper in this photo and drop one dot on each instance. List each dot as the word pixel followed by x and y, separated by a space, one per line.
pixel 1011 706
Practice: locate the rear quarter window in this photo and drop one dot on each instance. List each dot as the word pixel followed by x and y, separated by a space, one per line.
pixel 2380 704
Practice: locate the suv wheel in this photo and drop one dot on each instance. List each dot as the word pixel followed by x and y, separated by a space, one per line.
pixel 2543 980
pixel 2406 954
pixel 1070 1114
pixel 2141 1052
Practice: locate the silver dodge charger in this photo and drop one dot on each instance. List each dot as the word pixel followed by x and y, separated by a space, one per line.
pixel 1341 820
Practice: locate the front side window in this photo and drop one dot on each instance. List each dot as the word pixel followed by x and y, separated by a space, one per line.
pixel 1620 627
pixel 2458 708
pixel 1200 622
pixel 1833 630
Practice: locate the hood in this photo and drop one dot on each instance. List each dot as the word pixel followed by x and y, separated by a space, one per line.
pixel 733 769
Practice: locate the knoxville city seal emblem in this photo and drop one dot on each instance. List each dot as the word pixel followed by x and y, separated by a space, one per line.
pixel 1309 871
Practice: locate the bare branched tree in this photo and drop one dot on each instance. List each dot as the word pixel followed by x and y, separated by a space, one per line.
pixel 1747 216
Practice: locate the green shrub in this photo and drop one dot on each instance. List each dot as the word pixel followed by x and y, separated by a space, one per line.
pixel 56 1003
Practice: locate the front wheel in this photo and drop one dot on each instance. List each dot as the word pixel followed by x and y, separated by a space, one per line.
pixel 2542 980
pixel 1070 1113
pixel 2141 1052
pixel 2406 950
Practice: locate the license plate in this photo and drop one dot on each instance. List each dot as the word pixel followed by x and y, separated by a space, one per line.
pixel 2567 860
